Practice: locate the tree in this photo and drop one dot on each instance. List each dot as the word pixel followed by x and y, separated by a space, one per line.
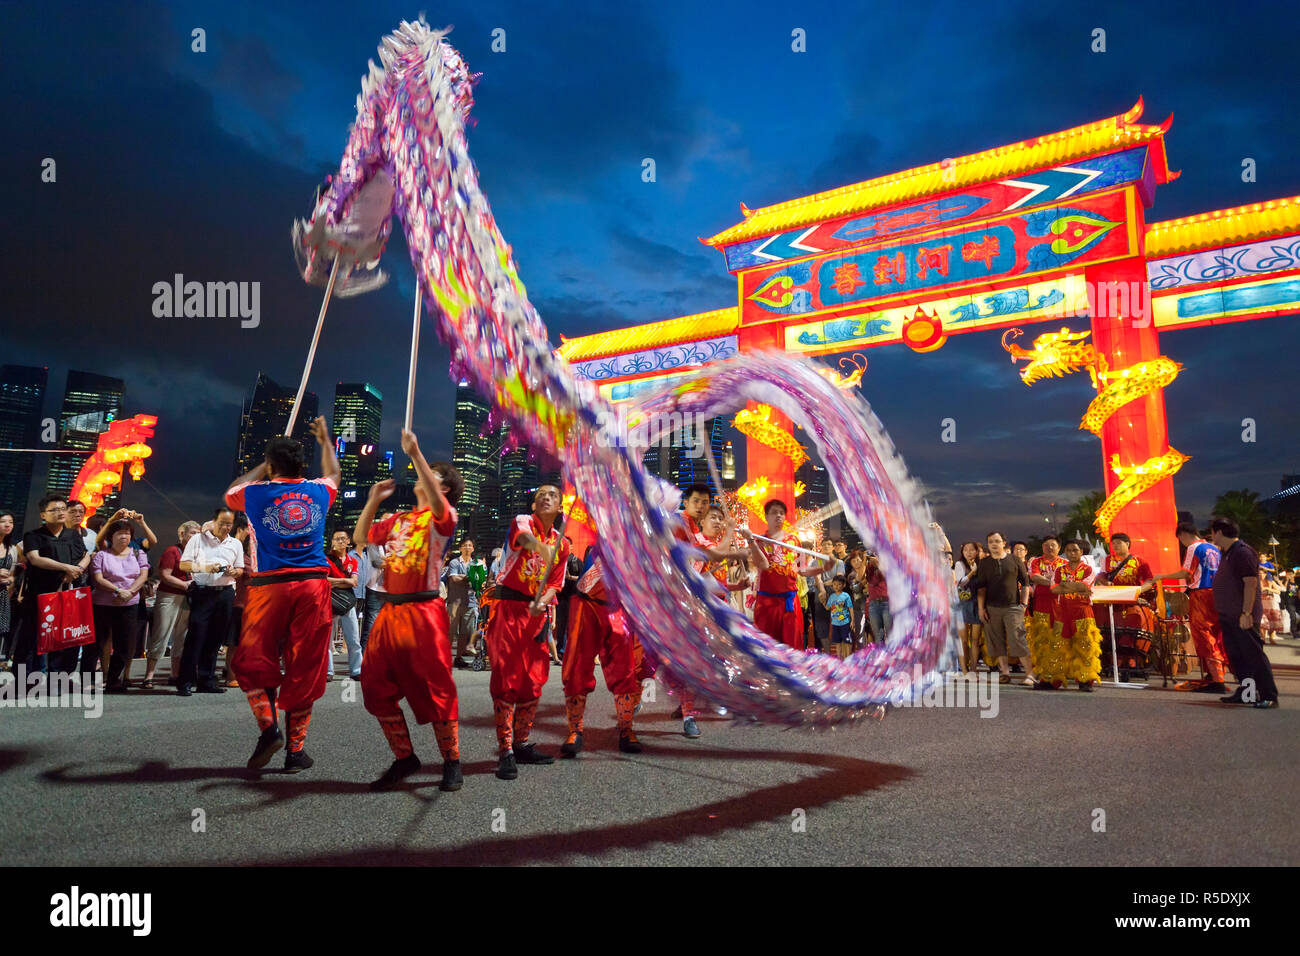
pixel 1081 520
pixel 1244 508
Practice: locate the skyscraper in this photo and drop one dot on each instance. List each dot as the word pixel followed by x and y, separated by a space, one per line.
pixel 818 493
pixel 485 524
pixel 519 480
pixel 679 459
pixel 264 416
pixel 727 466
pixel 361 465
pixel 91 403
pixel 358 412
pixel 484 506
pixel 473 453
pixel 22 395
pixel 691 465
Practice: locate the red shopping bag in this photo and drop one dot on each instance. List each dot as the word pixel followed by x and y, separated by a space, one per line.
pixel 66 620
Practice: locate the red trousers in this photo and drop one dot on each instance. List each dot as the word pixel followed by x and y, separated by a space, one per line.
pixel 771 617
pixel 644 665
pixel 520 663
pixel 1203 622
pixel 286 624
pixel 1068 613
pixel 409 655
pixel 594 632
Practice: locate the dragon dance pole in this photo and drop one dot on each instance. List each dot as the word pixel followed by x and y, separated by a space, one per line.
pixel 311 352
pixel 415 348
pixel 790 547
pixel 817 517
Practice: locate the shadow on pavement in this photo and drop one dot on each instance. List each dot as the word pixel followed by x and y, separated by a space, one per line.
pixel 12 758
pixel 843 777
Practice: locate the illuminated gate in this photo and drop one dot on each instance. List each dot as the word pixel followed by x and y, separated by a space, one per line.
pixel 1049 229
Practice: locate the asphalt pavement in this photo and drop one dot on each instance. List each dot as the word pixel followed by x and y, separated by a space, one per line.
pixel 1116 777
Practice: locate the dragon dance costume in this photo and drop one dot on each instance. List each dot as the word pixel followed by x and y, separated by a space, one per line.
pixel 597 629
pixel 409 653
pixel 1075 651
pixel 1042 608
pixel 689 531
pixel 520 661
pixel 1202 562
pixel 1135 624
pixel 281 660
pixel 776 608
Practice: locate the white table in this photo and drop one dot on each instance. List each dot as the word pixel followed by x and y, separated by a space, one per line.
pixel 1110 596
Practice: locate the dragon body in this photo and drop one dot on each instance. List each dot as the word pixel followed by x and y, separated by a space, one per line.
pixel 410 127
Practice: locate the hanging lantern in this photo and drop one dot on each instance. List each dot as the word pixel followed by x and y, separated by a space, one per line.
pixel 923 333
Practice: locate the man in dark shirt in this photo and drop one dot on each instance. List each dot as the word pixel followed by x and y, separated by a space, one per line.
pixel 55 555
pixel 1001 581
pixel 1240 608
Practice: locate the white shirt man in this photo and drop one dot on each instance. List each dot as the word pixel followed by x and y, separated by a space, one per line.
pixel 206 550
pixel 373 567
pixel 215 558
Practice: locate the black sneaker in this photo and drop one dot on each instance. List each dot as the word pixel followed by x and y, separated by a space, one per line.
pixel 296 760
pixel 572 749
pixel 1265 704
pixel 506 767
pixel 1044 685
pixel 628 743
pixel 270 741
pixel 529 754
pixel 460 664
pixel 1234 698
pixel 1213 687
pixel 399 771
pixel 184 690
pixel 452 778
pixel 211 689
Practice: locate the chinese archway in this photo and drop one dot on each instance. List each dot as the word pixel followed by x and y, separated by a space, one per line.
pixel 1049 229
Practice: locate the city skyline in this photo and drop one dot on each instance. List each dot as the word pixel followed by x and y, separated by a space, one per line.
pixel 22 398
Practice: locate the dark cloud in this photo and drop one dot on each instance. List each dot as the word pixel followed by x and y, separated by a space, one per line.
pixel 248 65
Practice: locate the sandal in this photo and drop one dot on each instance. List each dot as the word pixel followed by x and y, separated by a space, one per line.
pixel 1004 679
pixel 147 683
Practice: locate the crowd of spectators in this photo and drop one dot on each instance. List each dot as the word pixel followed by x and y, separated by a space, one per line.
pixel 186 605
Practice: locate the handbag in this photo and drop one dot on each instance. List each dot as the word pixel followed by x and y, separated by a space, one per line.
pixel 66 620
pixel 342 600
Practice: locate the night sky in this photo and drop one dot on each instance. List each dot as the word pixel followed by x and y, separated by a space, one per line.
pixel 170 161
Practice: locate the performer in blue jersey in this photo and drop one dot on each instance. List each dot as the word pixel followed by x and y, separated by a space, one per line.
pixel 281 662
